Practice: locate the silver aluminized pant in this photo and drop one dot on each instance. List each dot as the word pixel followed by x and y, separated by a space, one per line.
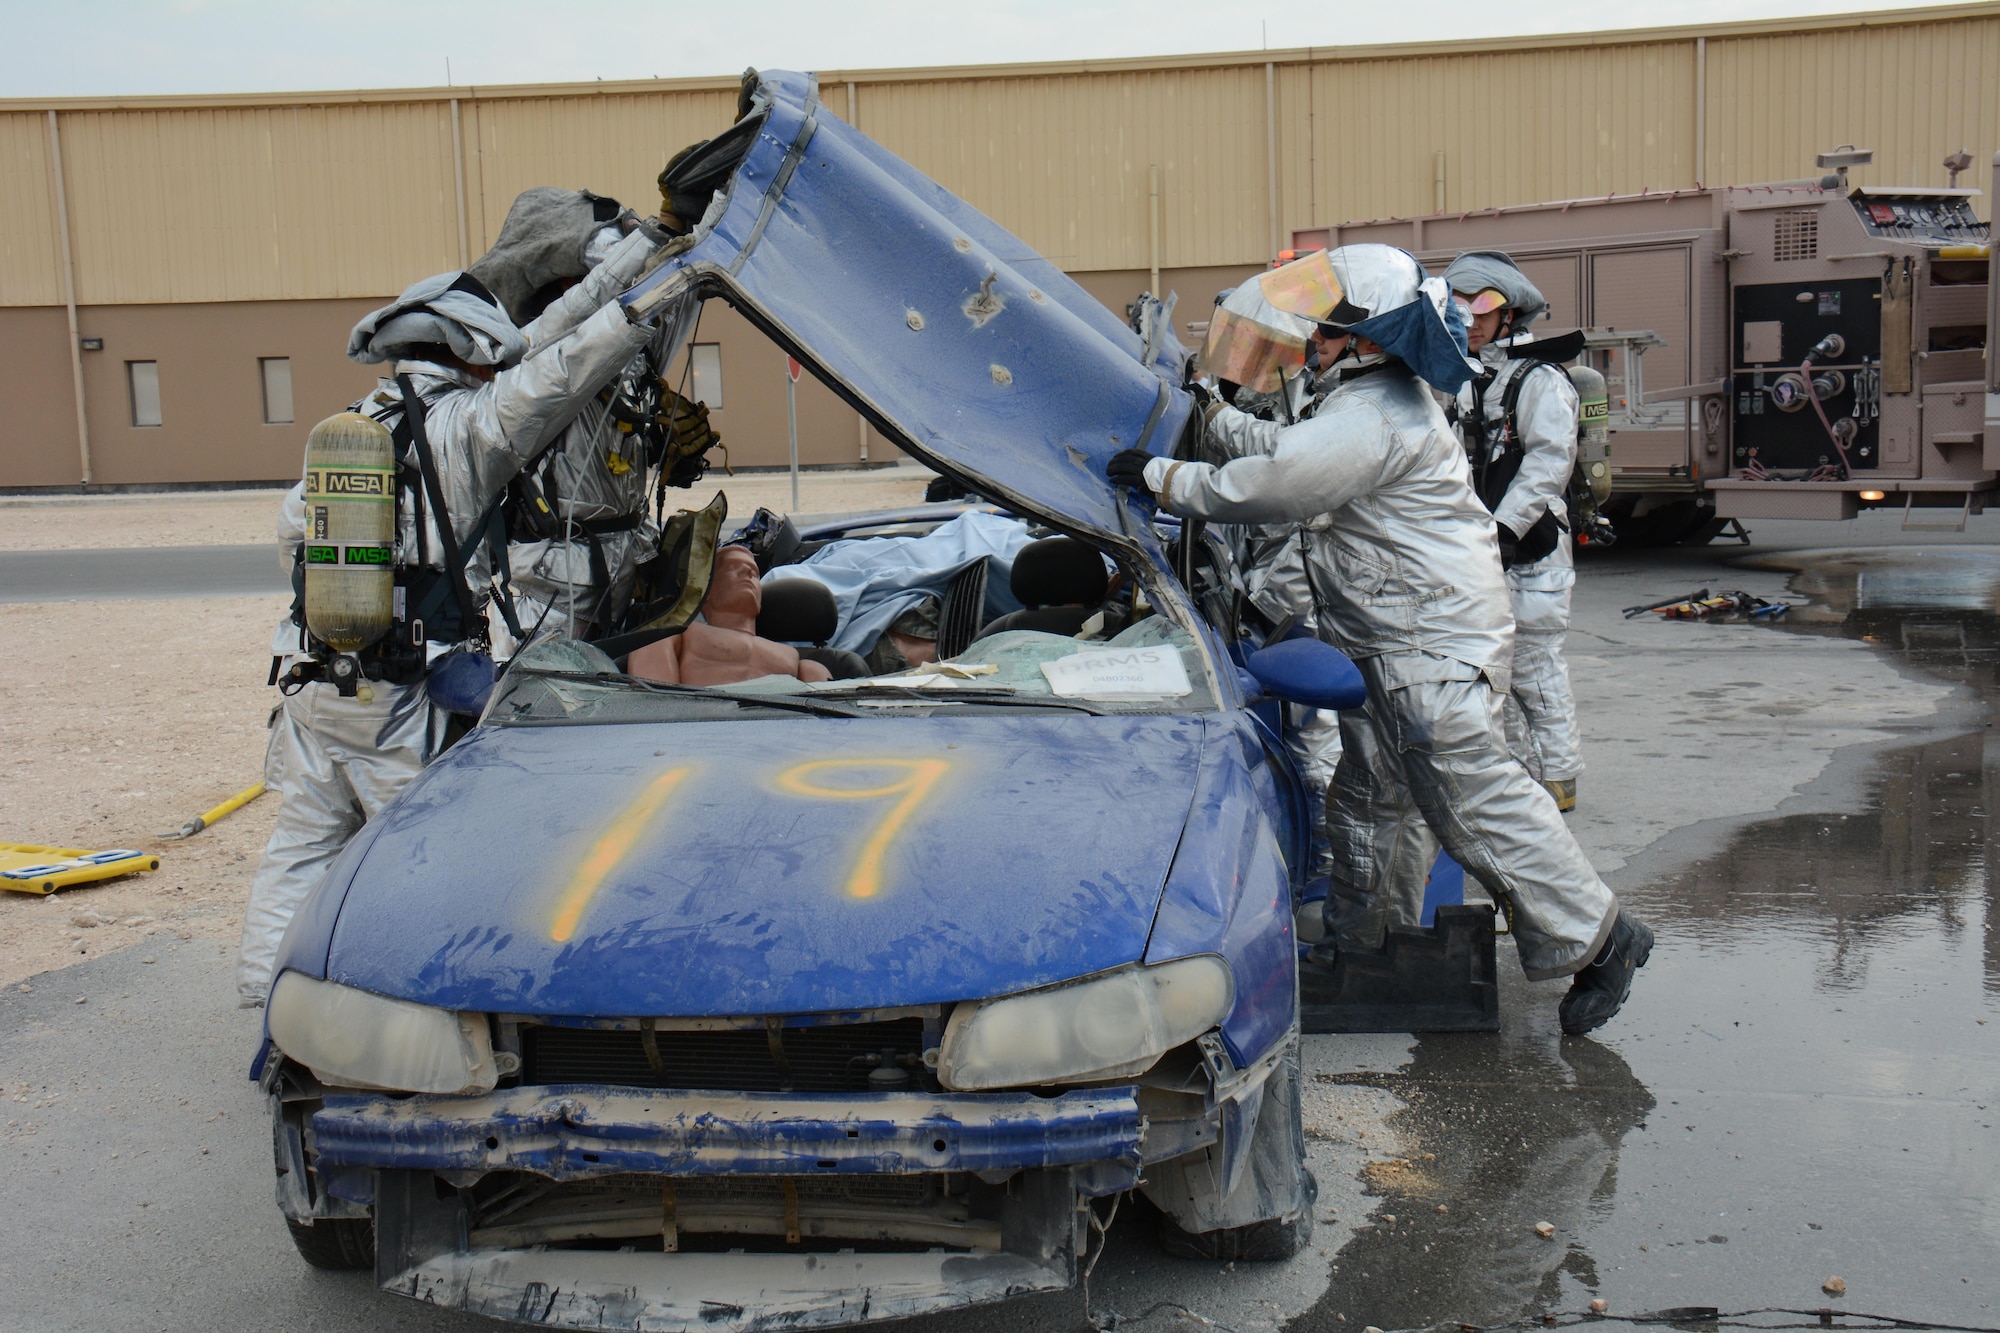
pixel 334 762
pixel 1427 764
pixel 1548 743
pixel 1312 735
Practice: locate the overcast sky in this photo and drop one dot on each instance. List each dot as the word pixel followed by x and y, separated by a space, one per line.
pixel 65 48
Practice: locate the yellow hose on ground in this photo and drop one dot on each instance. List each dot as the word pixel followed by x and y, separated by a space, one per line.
pixel 208 817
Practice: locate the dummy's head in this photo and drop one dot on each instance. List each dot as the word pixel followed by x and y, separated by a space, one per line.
pixel 734 590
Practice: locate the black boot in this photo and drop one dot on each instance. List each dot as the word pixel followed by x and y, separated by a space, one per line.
pixel 1600 989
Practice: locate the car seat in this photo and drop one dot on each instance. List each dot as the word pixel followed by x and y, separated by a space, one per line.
pixel 803 611
pixel 1061 581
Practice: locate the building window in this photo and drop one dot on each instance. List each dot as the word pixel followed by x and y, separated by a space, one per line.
pixel 707 361
pixel 277 375
pixel 144 380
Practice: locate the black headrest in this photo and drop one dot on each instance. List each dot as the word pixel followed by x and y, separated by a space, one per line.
pixel 798 611
pixel 1058 571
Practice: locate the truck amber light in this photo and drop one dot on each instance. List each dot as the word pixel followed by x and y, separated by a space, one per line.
pixel 1874 495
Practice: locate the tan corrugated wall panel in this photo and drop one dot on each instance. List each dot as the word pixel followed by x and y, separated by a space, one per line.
pixel 294 200
pixel 1360 138
pixel 258 204
pixel 1913 93
pixel 30 251
pixel 615 145
pixel 1064 162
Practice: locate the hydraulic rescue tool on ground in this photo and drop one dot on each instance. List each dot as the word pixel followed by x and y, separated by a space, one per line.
pixel 1801 349
pixel 27 867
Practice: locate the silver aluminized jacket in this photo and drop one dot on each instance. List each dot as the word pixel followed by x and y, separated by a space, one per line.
pixel 1407 578
pixel 596 475
pixel 1547 739
pixel 1401 553
pixel 335 761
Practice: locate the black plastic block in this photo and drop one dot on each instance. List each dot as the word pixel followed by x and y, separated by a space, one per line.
pixel 1439 979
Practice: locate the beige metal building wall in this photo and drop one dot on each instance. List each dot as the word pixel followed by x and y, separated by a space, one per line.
pixel 1446 133
pixel 615 144
pixel 329 196
pixel 30 263
pixel 1194 165
pixel 258 203
pixel 1911 92
pixel 1064 160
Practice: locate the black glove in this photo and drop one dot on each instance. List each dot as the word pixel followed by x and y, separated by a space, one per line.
pixel 1509 545
pixel 1202 398
pixel 1128 468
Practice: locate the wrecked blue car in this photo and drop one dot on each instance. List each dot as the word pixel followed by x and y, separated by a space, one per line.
pixel 801 1005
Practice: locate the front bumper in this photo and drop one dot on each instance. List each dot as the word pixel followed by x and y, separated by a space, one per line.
pixel 575 1132
pixel 720 1293
pixel 674 1157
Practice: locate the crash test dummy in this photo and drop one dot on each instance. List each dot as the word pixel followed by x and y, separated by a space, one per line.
pixel 1405 571
pixel 722 647
pixel 493 396
pixel 1517 419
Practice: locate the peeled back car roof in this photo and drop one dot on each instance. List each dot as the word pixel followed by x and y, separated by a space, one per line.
pixel 955 335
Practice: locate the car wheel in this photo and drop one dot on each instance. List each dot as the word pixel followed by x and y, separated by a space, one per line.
pixel 1260 1242
pixel 1279 1179
pixel 340 1243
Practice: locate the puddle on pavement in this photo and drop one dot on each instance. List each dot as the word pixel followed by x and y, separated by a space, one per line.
pixel 1801 1086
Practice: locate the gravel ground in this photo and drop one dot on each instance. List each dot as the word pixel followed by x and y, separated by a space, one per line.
pixel 245 517
pixel 161 718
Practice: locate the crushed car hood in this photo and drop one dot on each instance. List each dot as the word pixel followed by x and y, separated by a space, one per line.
pixel 952 335
pixel 744 868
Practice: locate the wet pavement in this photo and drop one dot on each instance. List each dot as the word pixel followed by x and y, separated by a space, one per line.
pixel 1806 1082
pixel 1801 1086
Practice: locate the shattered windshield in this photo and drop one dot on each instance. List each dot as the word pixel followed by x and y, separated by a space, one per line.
pixel 1153 666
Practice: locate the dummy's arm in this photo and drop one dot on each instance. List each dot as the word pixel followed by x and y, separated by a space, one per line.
pixel 1316 467
pixel 659 660
pixel 1546 417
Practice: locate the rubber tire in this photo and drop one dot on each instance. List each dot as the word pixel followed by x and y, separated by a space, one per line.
pixel 1669 525
pixel 1268 1241
pixel 1260 1242
pixel 342 1244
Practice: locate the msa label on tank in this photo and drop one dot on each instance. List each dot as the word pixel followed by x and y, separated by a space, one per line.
pixel 1596 409
pixel 374 554
pixel 333 483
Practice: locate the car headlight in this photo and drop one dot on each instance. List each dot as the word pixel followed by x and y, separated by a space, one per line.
pixel 1113 1026
pixel 356 1039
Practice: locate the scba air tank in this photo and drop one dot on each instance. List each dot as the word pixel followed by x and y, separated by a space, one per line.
pixel 1593 430
pixel 350 531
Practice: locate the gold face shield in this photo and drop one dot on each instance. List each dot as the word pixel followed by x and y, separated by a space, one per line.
pixel 1259 333
pixel 1480 303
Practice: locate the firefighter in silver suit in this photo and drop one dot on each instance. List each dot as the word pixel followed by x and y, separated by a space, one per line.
pixel 1517 417
pixel 1406 578
pixel 494 396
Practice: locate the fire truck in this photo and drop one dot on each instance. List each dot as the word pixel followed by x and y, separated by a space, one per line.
pixel 1802 349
